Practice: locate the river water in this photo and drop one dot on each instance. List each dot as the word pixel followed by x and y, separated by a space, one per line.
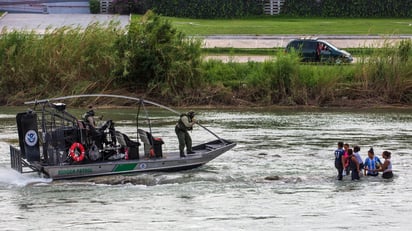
pixel 295 147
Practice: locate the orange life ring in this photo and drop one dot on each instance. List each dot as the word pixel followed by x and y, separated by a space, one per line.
pixel 72 150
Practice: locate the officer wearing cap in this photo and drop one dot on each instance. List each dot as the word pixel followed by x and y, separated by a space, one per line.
pixel 184 125
pixel 88 117
pixel 98 133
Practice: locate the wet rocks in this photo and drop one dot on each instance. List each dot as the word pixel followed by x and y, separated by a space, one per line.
pixel 272 178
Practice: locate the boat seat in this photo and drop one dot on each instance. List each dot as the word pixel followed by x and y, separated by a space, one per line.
pixel 120 139
pixel 152 146
pixel 143 135
pixel 125 142
pixel 83 130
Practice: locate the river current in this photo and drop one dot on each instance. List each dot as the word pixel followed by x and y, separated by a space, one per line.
pixel 294 148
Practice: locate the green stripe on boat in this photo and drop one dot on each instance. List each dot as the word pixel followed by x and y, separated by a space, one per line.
pixel 124 167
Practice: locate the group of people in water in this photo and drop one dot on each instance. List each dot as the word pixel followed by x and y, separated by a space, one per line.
pixel 348 161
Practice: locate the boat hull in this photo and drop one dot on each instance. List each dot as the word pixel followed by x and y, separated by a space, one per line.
pixel 203 154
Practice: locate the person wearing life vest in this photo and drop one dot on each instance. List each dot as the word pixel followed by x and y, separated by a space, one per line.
pixel 184 125
pixel 98 133
pixel 88 117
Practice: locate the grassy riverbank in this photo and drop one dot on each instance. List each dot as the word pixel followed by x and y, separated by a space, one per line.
pixel 376 80
pixel 275 25
pixel 154 60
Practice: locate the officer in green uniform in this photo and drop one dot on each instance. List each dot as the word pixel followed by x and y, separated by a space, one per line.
pixel 98 133
pixel 184 125
pixel 88 117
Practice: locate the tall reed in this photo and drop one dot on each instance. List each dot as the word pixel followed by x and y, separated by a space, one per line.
pixel 387 74
pixel 70 60
pixel 382 76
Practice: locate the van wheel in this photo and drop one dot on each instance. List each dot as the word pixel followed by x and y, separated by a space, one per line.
pixel 338 61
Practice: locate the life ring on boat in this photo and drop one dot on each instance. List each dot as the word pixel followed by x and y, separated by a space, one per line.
pixel 72 151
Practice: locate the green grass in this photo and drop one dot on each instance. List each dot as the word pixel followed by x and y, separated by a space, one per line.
pixel 287 25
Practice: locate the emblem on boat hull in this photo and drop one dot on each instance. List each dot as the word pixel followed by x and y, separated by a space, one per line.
pixel 143 166
pixel 31 138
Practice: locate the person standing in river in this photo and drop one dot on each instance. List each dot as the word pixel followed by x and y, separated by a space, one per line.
pixel 353 165
pixel 356 153
pixel 339 161
pixel 386 166
pixel 346 158
pixel 183 126
pixel 372 164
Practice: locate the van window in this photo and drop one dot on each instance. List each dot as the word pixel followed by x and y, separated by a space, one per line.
pixel 296 45
pixel 309 45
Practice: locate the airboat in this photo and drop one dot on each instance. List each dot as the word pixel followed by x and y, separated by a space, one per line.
pixel 57 145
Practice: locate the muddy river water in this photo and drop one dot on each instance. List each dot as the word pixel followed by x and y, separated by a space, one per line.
pixel 293 147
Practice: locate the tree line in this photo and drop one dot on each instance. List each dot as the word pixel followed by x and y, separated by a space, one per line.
pixel 348 8
pixel 245 8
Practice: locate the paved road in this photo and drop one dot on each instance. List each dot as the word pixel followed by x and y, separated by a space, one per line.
pixel 248 58
pixel 240 58
pixel 39 23
pixel 271 41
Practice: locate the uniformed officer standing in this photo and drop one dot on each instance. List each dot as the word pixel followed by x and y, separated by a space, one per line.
pixel 184 125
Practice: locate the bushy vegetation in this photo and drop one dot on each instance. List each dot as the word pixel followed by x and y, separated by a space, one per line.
pixel 160 59
pixel 387 74
pixel 65 60
pixel 382 76
pixel 125 6
pixel 207 9
pixel 192 8
pixel 152 59
pixel 348 8
pixel 282 81
pixel 94 6
pixel 241 8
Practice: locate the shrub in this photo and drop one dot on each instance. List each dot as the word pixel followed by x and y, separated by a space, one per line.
pixel 158 56
pixel 201 8
pixel 94 6
pixel 124 6
pixel 387 75
pixel 65 60
pixel 349 8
